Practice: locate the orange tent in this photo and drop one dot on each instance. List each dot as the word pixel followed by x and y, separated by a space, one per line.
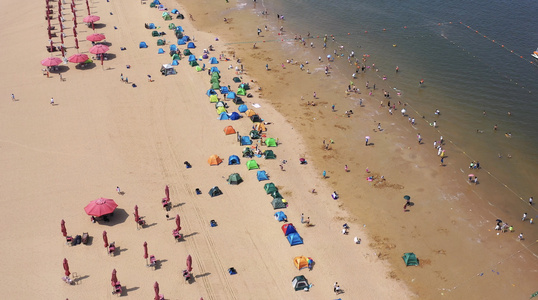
pixel 259 126
pixel 214 160
pixel 250 113
pixel 301 262
pixel 229 130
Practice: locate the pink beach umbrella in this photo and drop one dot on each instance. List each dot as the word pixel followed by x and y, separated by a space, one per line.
pixel 167 192
pixel 105 238
pixel 189 263
pixel 178 223
pixel 156 288
pixel 78 58
pixel 114 279
pixel 95 37
pixel 66 267
pixel 146 250
pixel 99 49
pixel 100 207
pixel 137 218
pixel 91 18
pixel 75 31
pixel 64 231
pixel 49 62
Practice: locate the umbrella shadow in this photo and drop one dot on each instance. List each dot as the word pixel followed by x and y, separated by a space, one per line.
pixel 202 275
pixel 190 234
pixel 159 263
pixel 90 241
pixel 126 291
pixel 150 225
pixel 179 204
pixel 120 250
pixel 120 215
pixel 60 69
pixel 99 25
pixel 106 43
pixel 86 66
pixel 78 279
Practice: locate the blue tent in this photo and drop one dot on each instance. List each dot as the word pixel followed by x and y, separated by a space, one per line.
pixel 280 215
pixel 175 62
pixel 288 229
pixel 231 95
pixel 186 37
pixel 213 60
pixel 224 90
pixel 242 108
pixel 179 28
pixel 215 69
pixel 151 26
pixel 205 56
pixel 173 47
pixel 262 176
pixel 192 57
pixel 234 116
pixel 233 160
pixel 210 92
pixel 143 45
pixel 181 41
pixel 245 140
pixel 161 51
pixel 191 45
pixel 175 11
pixel 295 239
pixel 223 116
pixel 156 2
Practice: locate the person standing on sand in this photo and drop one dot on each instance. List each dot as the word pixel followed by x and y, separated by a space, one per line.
pixel 267 67
pixel 524 217
pixel 315 95
pixel 442 160
pixel 324 174
pixel 419 138
pixel 13 97
pixel 345 168
pixel 302 218
pixel 121 77
pixel 51 101
pixel 333 107
pixel 531 200
pixel 366 141
pixel 118 190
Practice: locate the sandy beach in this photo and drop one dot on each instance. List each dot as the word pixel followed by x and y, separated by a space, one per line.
pixel 103 133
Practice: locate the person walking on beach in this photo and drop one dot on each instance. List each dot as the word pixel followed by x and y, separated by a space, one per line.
pixel 524 217
pixel 333 107
pixel 419 138
pixel 13 97
pixel 531 200
pixel 315 95
pixel 267 67
pixel 345 168
pixel 324 174
pixel 118 190
pixel 121 77
pixel 51 101
pixel 442 160
pixel 366 142
pixel 302 218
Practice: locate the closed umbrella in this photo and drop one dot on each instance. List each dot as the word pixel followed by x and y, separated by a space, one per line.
pixel 66 267
pixel 146 251
pixel 78 58
pixel 189 263
pixel 105 238
pixel 167 192
pixel 114 279
pixel 178 223
pixel 75 31
pixel 156 288
pixel 76 43
pixel 51 61
pixel 64 231
pixel 137 218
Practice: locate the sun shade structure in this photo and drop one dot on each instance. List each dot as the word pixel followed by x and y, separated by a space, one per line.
pixel 214 160
pixel 100 207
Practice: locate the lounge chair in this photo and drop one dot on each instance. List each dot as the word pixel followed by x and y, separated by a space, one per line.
pixel 177 235
pixel 68 280
pixel 85 237
pixel 69 240
pixel 187 275
pixel 112 249
pixel 166 203
pixel 152 261
pixel 116 288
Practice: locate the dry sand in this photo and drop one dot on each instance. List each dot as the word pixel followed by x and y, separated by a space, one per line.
pixel 103 133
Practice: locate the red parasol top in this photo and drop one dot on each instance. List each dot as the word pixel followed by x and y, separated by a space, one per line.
pixel 100 207
pixel 78 58
pixel 51 61
pixel 99 49
pixel 95 37
pixel 91 19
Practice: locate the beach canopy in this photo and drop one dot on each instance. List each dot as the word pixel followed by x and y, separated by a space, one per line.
pixel 191 45
pixel 280 216
pixel 276 194
pixel 252 164
pixel 236 79
pixel 151 26
pixel 300 283
pixel 210 92
pixel 288 229
pixel 223 116
pixel 167 17
pixel 245 140
pixel 262 175
pixel 235 179
pixel 295 239
pixel 242 108
pixel 248 152
pixel 238 101
pixel 269 154
pixel 175 62
pixel 54 61
pixel 234 116
pixel 181 41
pixel 142 45
pixel 214 160
pixel 270 142
pixel 171 26
pixel 259 126
pixel 215 191
pixel 269 188
pixel 233 160
pixel 161 42
pixel 278 203
pixel 221 109
pixel 241 92
pixel 155 33
pixel 213 60
pixel 250 113
pixel 173 48
pixel 100 207
pixel 302 262
pixel 193 63
pixel 224 89
pixel 244 86
pixel 192 57
pixel 219 104
pixel 180 29
pixel 174 11
pixel 410 259
pixel 229 130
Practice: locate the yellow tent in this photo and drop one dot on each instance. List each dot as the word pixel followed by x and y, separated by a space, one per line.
pixel 220 110
pixel 214 160
pixel 213 99
pixel 250 113
pixel 301 262
pixel 259 126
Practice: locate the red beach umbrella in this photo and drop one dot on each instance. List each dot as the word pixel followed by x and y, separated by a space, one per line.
pixel 105 238
pixel 178 223
pixel 167 192
pixel 102 59
pixel 156 288
pixel 49 62
pixel 50 33
pixel 78 58
pixel 63 50
pixel 137 218
pixel 96 37
pixel 189 263
pixel 75 31
pixel 76 42
pixel 101 206
pixel 114 279
pixel 62 37
pixel 99 49
pixel 64 231
pixel 66 267
pixel 146 250
pixel 91 19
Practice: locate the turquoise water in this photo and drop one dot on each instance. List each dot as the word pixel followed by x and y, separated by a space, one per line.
pixel 465 73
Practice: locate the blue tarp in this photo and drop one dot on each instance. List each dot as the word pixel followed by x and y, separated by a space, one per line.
pixel 262 175
pixel 295 239
pixel 279 215
pixel 233 160
pixel 191 45
pixel 224 90
pixel 242 108
pixel 213 60
pixel 223 116
pixel 143 45
pixel 210 92
pixel 173 47
pixel 231 95
pixel 215 69
pixel 192 57
pixel 245 140
pixel 234 116
pixel 161 51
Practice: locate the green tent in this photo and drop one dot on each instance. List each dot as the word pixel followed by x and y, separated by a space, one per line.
pixel 244 86
pixel 215 75
pixel 254 134
pixel 155 33
pixel 270 142
pixel 215 86
pixel 252 164
pixel 241 92
pixel 176 57
pixel 278 203
pixel 212 80
pixel 270 187
pixel 236 79
pixel 220 110
pixel 235 179
pixel 410 259
pixel 300 283
pixel 276 194
pixel 213 99
pixel 198 68
pixel 161 42
pixel 193 63
pixel 187 52
pixel 215 191
pixel 167 17
pixel 248 152
pixel 269 154
pixel 172 26
pixel 152 5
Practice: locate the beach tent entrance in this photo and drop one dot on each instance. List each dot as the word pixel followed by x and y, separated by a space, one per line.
pixel 235 179
pixel 252 164
pixel 255 119
pixel 280 216
pixel 295 239
pixel 270 188
pixel 214 160
pixel 262 175
pixel 410 259
pixel 215 191
pixel 288 229
pixel 233 160
pixel 278 203
pixel 229 130
pixel 301 262
pixel 300 283
pixel 213 60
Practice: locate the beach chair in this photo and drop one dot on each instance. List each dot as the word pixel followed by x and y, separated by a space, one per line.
pixel 177 235
pixel 152 261
pixel 112 249
pixel 187 275
pixel 85 237
pixel 69 240
pixel 68 280
pixel 116 288
pixel 166 204
pixel 141 223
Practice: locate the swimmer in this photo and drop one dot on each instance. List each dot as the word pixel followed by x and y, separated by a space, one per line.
pixel 421 81
pixel 479 131
pixel 437 112
pixel 509 113
pixel 508 134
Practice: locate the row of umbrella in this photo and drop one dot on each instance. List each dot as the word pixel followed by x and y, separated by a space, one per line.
pixel 76 58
